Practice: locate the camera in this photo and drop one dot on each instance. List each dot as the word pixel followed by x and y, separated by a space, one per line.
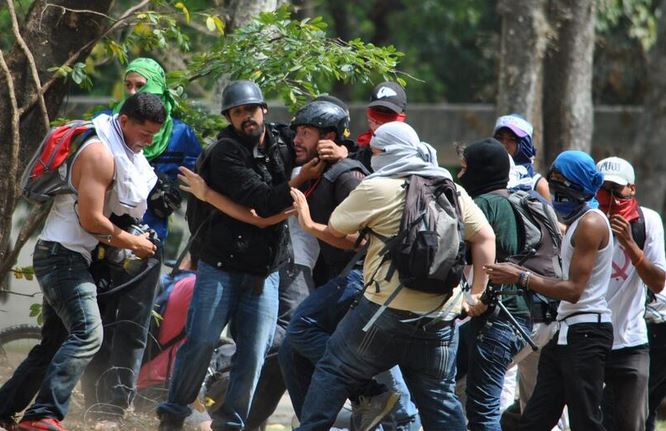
pixel 125 258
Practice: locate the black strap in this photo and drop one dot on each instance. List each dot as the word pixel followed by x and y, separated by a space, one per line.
pixel 638 229
pixel 132 282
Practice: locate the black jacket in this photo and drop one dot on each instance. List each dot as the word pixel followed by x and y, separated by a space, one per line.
pixel 255 181
pixel 334 186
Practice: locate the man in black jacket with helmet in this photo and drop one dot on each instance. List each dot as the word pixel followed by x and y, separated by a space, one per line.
pixel 237 276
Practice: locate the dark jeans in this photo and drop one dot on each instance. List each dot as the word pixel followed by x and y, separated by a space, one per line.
pixel 657 381
pixel 625 398
pixel 424 350
pixel 109 383
pixel 72 334
pixel 17 393
pixel 571 374
pixel 487 346
pixel 295 284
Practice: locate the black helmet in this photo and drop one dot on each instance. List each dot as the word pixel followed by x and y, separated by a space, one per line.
pixel 323 115
pixel 241 93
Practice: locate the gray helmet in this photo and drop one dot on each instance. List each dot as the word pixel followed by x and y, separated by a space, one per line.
pixel 325 116
pixel 241 93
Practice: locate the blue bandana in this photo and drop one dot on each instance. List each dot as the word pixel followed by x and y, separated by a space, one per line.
pixel 579 168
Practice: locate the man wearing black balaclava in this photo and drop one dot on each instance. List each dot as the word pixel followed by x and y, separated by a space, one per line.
pixel 488 342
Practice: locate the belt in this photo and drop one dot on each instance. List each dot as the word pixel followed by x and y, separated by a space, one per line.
pixel 575 319
pixel 586 318
pixel 52 246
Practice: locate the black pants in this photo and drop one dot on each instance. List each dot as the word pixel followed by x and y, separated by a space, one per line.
pixel 657 385
pixel 109 382
pixel 625 397
pixel 572 374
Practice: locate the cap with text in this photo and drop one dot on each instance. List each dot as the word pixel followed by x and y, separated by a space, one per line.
pixel 617 170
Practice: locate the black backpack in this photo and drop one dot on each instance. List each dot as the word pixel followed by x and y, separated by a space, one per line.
pixel 429 250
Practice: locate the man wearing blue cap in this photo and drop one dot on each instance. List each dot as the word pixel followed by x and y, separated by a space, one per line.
pixel 571 367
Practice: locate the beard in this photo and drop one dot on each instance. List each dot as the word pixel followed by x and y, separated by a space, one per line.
pixel 253 135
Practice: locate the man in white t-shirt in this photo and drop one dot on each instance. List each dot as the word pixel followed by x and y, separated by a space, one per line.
pixel 571 366
pixel 638 261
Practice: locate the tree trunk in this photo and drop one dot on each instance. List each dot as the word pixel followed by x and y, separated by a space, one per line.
pixel 53 34
pixel 242 11
pixel 523 46
pixel 649 163
pixel 239 13
pixel 567 110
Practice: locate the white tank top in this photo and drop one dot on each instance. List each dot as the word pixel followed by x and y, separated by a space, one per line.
pixel 593 298
pixel 62 224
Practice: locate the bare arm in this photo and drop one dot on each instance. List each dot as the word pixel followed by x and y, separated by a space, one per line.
pixel 542 188
pixel 96 165
pixel 320 231
pixel 653 276
pixel 482 246
pixel 193 183
pixel 590 236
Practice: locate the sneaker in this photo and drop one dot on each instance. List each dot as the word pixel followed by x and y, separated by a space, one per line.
pixel 8 425
pixel 43 424
pixel 370 410
pixel 170 423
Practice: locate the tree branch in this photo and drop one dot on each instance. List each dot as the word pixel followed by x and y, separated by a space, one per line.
pixel 66 9
pixel 31 62
pixel 36 217
pixel 16 140
pixel 10 200
pixel 78 53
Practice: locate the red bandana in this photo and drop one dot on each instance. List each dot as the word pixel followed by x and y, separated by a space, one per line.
pixel 380 117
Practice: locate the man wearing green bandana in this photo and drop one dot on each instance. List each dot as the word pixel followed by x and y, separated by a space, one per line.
pixel 109 383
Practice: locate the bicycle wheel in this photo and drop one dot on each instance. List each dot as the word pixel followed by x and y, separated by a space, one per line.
pixel 15 343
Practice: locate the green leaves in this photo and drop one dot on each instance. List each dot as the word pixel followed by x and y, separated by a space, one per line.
pixel 36 311
pixel 293 59
pixel 26 272
pixel 76 73
pixel 638 13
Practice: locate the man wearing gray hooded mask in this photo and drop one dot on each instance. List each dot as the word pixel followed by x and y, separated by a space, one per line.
pixel 424 348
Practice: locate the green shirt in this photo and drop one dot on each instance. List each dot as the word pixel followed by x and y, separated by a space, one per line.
pixel 501 217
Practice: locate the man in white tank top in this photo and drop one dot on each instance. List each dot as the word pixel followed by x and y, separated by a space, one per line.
pixel 571 367
pixel 638 261
pixel 72 332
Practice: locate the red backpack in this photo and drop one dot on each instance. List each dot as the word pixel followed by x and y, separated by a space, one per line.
pixel 48 172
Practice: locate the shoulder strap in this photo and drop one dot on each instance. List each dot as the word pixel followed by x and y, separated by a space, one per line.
pixel 638 229
pixel 342 166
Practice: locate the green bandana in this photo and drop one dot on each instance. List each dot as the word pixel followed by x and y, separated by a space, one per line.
pixel 155 84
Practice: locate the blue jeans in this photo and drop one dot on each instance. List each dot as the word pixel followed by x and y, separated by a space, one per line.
pixel 220 297
pixel 490 345
pixel 425 352
pixel 71 321
pixel 295 285
pixel 310 329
